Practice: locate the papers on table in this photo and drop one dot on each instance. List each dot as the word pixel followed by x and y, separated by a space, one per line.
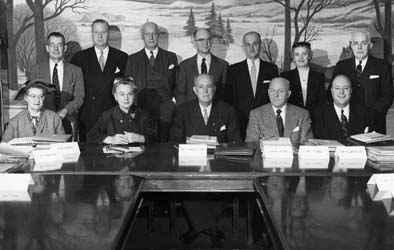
pixel 113 149
pixel 371 137
pixel 383 154
pixel 275 141
pixel 381 188
pixel 353 157
pixel 14 187
pixel 192 154
pixel 331 144
pixel 312 157
pixel 210 141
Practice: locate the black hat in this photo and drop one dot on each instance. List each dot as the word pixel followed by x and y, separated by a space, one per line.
pixel 34 83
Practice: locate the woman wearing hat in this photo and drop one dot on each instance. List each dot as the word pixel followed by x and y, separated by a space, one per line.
pixel 34 120
pixel 124 123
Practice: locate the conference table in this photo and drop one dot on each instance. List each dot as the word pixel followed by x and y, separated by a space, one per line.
pixel 304 208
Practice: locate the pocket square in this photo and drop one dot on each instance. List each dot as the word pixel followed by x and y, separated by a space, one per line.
pixel 266 81
pixel 171 66
pixel 373 76
pixel 73 83
pixel 117 70
pixel 222 128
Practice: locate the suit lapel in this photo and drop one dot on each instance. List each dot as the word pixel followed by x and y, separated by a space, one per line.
pixel 310 87
pixel 194 67
pixel 197 118
pixel 141 68
pixel 213 68
pixel 334 117
pixel 260 80
pixel 369 66
pixel 95 59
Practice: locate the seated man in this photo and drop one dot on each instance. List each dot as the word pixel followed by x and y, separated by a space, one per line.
pixel 278 118
pixel 124 123
pixel 204 117
pixel 34 120
pixel 340 119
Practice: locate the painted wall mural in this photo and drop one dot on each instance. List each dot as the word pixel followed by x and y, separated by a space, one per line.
pixel 327 24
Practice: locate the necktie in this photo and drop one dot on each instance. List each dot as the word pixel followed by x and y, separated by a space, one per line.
pixel 55 81
pixel 205 116
pixel 359 69
pixel 102 60
pixel 279 123
pixel 253 79
pixel 203 66
pixel 344 124
pixel 151 59
pixel 34 121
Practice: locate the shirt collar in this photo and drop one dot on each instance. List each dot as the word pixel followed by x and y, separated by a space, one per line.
pixel 363 62
pixel 256 62
pixel 283 109
pixel 207 59
pixel 98 51
pixel 59 64
pixel 345 109
pixel 208 108
pixel 155 51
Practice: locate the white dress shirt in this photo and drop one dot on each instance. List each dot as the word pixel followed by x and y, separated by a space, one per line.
pixel 363 63
pixel 257 63
pixel 207 62
pixel 303 74
pixel 346 111
pixel 208 109
pixel 105 54
pixel 60 71
pixel 155 51
pixel 282 114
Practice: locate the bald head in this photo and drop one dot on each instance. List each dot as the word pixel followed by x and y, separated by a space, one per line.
pixel 204 88
pixel 150 35
pixel 279 91
pixel 341 91
pixel 361 44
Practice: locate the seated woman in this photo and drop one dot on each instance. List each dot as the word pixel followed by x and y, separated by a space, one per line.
pixel 124 123
pixel 34 120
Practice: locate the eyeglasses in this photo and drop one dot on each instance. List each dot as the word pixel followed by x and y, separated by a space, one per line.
pixel 202 40
pixel 40 97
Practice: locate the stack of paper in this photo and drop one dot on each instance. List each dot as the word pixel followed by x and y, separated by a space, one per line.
pixel 381 188
pixel 277 141
pixel 331 144
pixel 381 154
pixel 371 137
pixel 210 141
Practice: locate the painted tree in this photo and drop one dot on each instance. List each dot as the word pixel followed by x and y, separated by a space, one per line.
pixel 385 31
pixel 37 7
pixel 212 19
pixel 220 26
pixel 190 26
pixel 268 47
pixel 3 34
pixel 228 36
pixel 304 12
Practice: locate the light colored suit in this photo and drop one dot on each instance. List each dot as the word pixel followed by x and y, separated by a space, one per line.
pixel 73 90
pixel 262 123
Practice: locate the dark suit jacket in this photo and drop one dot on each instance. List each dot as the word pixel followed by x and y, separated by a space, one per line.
pixel 326 124
pixel 188 121
pixel 315 92
pixel 262 123
pixel 110 123
pixel 239 92
pixel 98 84
pixel 188 69
pixel 374 91
pixel 73 89
pixel 165 92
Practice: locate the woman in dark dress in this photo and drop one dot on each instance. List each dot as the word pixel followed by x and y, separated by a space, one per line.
pixel 124 123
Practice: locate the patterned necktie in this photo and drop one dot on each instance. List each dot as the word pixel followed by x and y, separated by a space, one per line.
pixel 279 123
pixel 55 81
pixel 34 121
pixel 102 60
pixel 203 66
pixel 151 59
pixel 344 124
pixel 205 116
pixel 359 69
pixel 253 79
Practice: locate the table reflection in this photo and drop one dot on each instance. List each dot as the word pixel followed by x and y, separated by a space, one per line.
pixel 326 213
pixel 69 212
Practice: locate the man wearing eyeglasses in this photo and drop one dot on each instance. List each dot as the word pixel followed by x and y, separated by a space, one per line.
pixel 100 64
pixel 371 79
pixel 205 116
pixel 154 72
pixel 340 119
pixel 68 80
pixel 279 118
pixel 204 62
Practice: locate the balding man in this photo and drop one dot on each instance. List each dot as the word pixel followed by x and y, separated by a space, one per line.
pixel 205 117
pixel 371 80
pixel 154 72
pixel 278 118
pixel 340 119
pixel 248 80
pixel 204 62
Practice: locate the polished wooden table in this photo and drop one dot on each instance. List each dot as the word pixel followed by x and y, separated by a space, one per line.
pixel 71 212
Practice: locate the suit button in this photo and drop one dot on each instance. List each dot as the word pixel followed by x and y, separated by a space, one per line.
pixel 93 98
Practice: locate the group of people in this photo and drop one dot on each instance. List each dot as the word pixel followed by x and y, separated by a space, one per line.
pixel 159 100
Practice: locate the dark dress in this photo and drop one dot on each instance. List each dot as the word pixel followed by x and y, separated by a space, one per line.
pixel 115 121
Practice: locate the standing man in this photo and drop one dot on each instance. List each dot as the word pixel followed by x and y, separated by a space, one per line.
pixel 340 119
pixel 279 118
pixel 68 80
pixel 371 78
pixel 204 62
pixel 154 72
pixel 100 64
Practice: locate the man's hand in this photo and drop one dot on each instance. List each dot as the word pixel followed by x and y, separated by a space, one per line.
pixel 62 113
pixel 133 137
pixel 116 139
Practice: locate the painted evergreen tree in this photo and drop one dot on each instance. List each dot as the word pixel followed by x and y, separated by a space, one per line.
pixel 211 19
pixel 190 26
pixel 220 26
pixel 228 36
